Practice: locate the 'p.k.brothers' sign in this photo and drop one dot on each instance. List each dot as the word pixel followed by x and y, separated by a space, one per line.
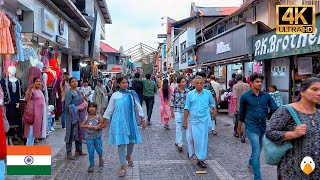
pixel 272 45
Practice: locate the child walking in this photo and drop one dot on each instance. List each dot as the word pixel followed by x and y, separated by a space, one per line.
pixel 94 125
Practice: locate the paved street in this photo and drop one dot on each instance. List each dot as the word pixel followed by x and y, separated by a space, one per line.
pixel 158 158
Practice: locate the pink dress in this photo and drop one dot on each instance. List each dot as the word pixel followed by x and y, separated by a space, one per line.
pixel 34 72
pixel 6 46
pixel 165 109
pixel 37 98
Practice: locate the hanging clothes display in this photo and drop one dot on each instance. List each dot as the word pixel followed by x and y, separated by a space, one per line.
pixel 19 49
pixel 11 29
pixel 29 53
pixel 45 53
pixel 23 68
pixel 54 62
pixel 34 72
pixel 6 46
pixel 257 67
pixel 12 94
pixel 52 76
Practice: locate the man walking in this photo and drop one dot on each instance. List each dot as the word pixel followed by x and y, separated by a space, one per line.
pixel 64 86
pixel 178 102
pixel 238 89
pixel 149 89
pixel 197 120
pixel 138 86
pixel 254 106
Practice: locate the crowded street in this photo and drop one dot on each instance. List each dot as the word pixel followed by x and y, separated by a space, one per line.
pixel 159 89
pixel 158 158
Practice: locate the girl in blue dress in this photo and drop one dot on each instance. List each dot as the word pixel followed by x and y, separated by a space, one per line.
pixel 124 131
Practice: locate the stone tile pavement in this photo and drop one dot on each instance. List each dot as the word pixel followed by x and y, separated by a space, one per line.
pixel 158 158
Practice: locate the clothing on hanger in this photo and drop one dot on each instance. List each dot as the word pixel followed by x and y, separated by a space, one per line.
pixel 6 46
pixel 12 34
pixel 19 49
pixel 29 53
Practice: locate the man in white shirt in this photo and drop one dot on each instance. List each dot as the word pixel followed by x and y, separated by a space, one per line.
pixel 86 89
pixel 216 87
pixel 106 80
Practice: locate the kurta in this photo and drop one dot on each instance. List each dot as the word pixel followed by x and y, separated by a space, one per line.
pixel 17 32
pixel 74 117
pixel 34 72
pixel 199 122
pixel 37 99
pixel 123 126
pixel 58 107
pixel 6 46
pixel 99 98
pixel 12 95
pixel 165 109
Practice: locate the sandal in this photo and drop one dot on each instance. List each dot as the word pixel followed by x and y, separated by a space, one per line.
pixel 130 162
pixel 122 173
pixel 201 164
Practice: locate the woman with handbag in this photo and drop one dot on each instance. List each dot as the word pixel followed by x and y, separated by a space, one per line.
pixel 33 115
pixel 165 99
pixel 124 131
pixel 76 112
pixel 302 132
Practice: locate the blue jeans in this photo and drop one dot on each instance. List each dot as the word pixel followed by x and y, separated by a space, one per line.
pixel 2 169
pixel 179 130
pixel 30 139
pixel 63 115
pixel 256 146
pixel 91 145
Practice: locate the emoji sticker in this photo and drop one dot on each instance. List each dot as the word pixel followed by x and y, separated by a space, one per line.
pixel 307 165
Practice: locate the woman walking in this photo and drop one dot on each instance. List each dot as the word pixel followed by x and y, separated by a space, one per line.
pixel 99 97
pixel 165 98
pixel 110 90
pixel 35 108
pixel 124 131
pixel 305 138
pixel 76 112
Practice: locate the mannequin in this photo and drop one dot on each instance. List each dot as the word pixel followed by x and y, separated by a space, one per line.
pixel 52 77
pixel 34 71
pixel 45 57
pixel 45 89
pixel 12 89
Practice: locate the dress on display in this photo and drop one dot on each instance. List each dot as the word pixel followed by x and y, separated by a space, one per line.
pixel 34 72
pixel 36 97
pixel 58 109
pixel 45 53
pixel 12 94
pixel 54 63
pixel 29 53
pixel 17 32
pixel 6 46
pixel 11 29
pixel 50 85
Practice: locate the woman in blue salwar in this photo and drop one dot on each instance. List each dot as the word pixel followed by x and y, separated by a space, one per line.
pixel 124 131
pixel 76 112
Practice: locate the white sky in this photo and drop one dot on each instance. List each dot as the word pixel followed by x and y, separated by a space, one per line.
pixel 135 21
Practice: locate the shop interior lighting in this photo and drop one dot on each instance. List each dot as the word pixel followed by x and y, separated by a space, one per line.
pixel 19 11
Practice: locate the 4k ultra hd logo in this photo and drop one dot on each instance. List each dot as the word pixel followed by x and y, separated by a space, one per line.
pixel 295 19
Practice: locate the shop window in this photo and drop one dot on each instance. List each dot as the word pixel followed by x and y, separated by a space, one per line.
pixel 221 29
pixel 183 56
pixel 75 65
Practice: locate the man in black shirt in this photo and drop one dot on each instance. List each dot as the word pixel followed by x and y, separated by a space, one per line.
pixel 138 87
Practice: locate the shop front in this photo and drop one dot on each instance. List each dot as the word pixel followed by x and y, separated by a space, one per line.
pixel 229 52
pixel 288 59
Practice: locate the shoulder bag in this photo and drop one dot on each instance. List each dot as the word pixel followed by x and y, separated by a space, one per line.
pixel 273 152
pixel 136 111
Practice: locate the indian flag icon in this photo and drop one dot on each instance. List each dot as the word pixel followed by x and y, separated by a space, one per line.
pixel 29 160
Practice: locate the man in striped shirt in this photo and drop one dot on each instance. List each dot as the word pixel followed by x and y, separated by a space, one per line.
pixel 178 102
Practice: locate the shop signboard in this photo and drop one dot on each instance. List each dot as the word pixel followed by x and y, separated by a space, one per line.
pixel 61 40
pixel 231 43
pixel 48 22
pixel 114 68
pixel 272 45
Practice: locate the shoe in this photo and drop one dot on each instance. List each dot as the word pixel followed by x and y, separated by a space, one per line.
pixel 148 123
pixel 214 132
pixel 101 162
pixel 176 144
pixel 80 153
pixel 180 149
pixel 243 138
pixel 130 162
pixel 36 140
pixel 70 157
pixel 52 129
pixel 90 169
pixel 236 135
pixel 166 127
pixel 201 164
pixel 122 173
